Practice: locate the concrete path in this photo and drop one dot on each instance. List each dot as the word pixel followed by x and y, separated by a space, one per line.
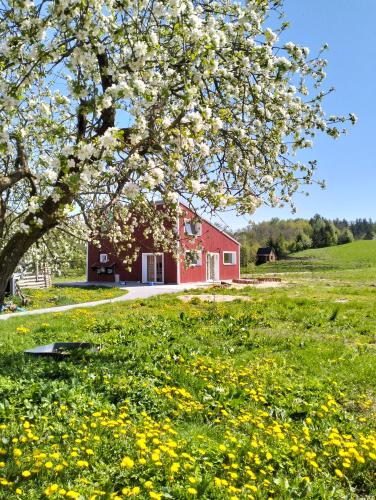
pixel 134 292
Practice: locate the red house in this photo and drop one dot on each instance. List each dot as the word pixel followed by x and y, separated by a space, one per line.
pixel 211 255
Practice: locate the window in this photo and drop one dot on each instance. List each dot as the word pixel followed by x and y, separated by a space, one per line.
pixel 192 228
pixel 193 258
pixel 229 258
pixel 103 258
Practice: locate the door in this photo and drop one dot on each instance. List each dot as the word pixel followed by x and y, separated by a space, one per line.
pixel 152 268
pixel 212 267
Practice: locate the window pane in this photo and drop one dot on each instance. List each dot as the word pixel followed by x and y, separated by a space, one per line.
pixel 229 258
pixel 192 228
pixel 188 228
pixel 194 257
pixel 196 228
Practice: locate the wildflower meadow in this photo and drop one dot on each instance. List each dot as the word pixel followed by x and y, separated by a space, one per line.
pixel 272 398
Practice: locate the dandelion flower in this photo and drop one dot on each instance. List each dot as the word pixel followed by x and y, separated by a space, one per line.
pixel 127 462
pixel 82 463
pixel 175 467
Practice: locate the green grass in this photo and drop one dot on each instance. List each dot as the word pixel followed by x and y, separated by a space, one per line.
pixel 272 398
pixel 73 277
pixel 61 296
pixel 360 256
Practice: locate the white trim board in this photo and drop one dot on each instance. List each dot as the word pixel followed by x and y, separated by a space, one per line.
pixel 144 264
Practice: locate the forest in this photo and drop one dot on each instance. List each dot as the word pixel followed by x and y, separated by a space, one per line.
pixel 294 235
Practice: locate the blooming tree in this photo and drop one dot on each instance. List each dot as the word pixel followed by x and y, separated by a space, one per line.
pixel 106 105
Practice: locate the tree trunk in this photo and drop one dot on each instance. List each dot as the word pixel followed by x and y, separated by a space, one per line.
pixel 13 252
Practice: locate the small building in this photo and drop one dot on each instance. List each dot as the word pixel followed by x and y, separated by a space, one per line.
pixel 211 255
pixel 265 254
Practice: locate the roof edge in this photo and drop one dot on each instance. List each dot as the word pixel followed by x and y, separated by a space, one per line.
pixel 211 224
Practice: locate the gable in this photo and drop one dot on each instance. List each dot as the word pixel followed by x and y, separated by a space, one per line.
pixel 213 228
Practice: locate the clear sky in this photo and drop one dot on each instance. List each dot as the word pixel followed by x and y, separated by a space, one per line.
pixel 348 163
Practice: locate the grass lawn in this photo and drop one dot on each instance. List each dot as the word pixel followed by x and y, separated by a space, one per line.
pixel 357 255
pixel 69 278
pixel 271 398
pixel 61 296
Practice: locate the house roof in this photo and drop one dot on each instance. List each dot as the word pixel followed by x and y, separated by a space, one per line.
pixel 265 251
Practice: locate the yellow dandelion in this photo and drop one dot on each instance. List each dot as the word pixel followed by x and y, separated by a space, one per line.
pixel 154 495
pixel 22 329
pixel 72 494
pixel 127 462
pixel 175 467
pixel 82 463
pixel 50 490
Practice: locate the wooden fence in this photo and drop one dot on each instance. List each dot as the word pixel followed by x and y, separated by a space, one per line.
pixel 41 280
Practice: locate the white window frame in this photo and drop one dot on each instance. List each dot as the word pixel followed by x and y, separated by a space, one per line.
pixel 103 258
pixel 191 221
pixel 199 254
pixel 234 258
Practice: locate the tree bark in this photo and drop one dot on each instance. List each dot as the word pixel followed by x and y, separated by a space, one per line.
pixel 13 252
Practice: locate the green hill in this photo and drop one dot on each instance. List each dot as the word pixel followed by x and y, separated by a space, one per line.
pixel 357 255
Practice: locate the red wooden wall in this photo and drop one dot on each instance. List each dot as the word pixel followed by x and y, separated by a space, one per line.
pixel 211 240
pixel 146 246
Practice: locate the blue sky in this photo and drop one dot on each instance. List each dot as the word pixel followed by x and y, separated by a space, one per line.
pixel 348 163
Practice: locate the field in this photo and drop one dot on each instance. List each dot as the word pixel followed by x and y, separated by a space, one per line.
pixel 61 296
pixel 268 399
pixel 359 255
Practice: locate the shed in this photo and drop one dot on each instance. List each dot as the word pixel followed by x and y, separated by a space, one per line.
pixel 265 254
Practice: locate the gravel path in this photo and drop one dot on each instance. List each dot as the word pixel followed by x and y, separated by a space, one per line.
pixel 133 292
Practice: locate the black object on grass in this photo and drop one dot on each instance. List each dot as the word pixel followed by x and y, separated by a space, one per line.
pixel 61 349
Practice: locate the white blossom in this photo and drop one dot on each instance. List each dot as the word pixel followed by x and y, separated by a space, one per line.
pixel 196 186
pixel 113 111
pixel 131 189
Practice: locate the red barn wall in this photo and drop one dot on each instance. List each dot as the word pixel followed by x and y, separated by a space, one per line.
pixel 211 240
pixel 135 274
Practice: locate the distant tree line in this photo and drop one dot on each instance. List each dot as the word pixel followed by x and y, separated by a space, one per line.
pixel 294 235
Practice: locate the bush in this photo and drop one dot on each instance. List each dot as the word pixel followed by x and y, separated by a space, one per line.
pixel 346 236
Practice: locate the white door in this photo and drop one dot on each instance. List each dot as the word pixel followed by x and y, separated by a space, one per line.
pixel 152 268
pixel 212 266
